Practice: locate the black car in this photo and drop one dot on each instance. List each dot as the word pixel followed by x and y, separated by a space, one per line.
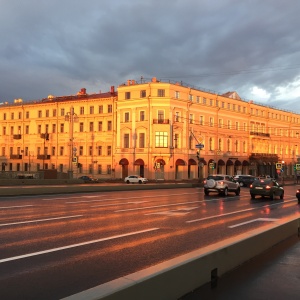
pixel 88 179
pixel 298 195
pixel 246 180
pixel 266 188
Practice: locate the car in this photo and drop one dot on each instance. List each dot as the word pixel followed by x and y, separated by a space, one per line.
pixel 298 195
pixel 88 179
pixel 245 180
pixel 266 188
pixel 221 184
pixel 135 179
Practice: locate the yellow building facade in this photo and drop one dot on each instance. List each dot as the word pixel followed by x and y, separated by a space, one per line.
pixel 158 129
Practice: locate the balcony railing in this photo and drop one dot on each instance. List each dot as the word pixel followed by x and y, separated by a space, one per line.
pixel 160 121
pixel 43 156
pixel 17 136
pixel 260 133
pixel 15 156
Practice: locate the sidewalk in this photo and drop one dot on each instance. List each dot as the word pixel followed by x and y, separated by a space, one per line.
pixel 274 275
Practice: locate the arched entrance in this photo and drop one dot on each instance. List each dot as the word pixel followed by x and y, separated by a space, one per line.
pixel 237 167
pixel 245 167
pixel 229 167
pixel 124 165
pixel 179 168
pixel 141 165
pixel 221 167
pixel 159 167
pixel 192 169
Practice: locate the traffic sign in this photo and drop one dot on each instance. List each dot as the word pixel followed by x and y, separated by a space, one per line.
pixel 297 166
pixel 278 166
pixel 199 146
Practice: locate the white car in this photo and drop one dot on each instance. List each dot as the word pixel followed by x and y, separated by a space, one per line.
pixel 135 179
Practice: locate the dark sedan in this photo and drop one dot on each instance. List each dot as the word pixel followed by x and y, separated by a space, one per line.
pixel 266 188
pixel 88 179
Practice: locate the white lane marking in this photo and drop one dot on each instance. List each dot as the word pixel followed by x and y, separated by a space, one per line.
pixel 65 198
pixel 76 245
pixel 156 206
pixel 41 220
pixel 117 204
pixel 255 220
pixel 177 212
pixel 129 198
pixel 19 206
pixel 239 211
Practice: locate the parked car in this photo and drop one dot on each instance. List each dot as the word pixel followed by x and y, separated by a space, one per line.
pixel 298 195
pixel 221 184
pixel 135 179
pixel 88 179
pixel 266 188
pixel 245 180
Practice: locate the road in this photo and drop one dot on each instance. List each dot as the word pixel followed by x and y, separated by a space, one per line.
pixel 55 246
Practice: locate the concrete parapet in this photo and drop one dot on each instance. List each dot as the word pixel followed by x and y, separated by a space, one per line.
pixel 176 277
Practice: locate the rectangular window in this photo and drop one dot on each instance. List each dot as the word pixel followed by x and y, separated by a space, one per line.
pixel 160 115
pixel 99 150
pixel 191 119
pixel 161 139
pixel 53 152
pixel 109 150
pixel 109 108
pixel 27 129
pixel 201 120
pixel 4 116
pixel 177 95
pixel 204 100
pixel 211 121
pixel 4 130
pixel 62 127
pixel 80 150
pixel 91 126
pixel 47 113
pixel 177 116
pixel 143 94
pixel 39 129
pixel 176 140
pixel 91 110
pixel 47 128
pixel 198 99
pixel 81 110
pixel 142 115
pixel 27 115
pixel 108 169
pixel 109 125
pixel 39 114
pixel 20 115
pixel 90 150
pixel 12 116
pixel 100 126
pixel 99 169
pixel 54 112
pixel 237 125
pixel 126 117
pixel 142 140
pixel 160 93
pixel 53 128
pixel 61 151
pixel 127 95
pixel 126 140
pixel 62 112
pixel 100 109
pixel 81 127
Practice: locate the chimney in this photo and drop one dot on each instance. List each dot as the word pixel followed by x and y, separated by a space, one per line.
pixel 112 89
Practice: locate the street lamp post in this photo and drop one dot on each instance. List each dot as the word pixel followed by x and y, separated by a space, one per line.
pixel 71 117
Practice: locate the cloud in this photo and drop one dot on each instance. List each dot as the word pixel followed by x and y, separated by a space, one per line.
pixel 59 47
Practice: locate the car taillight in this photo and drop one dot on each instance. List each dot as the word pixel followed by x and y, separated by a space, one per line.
pixel 298 191
pixel 221 182
pixel 251 185
pixel 204 181
pixel 267 187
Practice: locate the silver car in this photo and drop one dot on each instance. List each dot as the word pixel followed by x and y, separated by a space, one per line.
pixel 221 184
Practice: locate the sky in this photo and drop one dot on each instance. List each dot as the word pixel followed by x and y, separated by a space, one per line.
pixel 58 47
